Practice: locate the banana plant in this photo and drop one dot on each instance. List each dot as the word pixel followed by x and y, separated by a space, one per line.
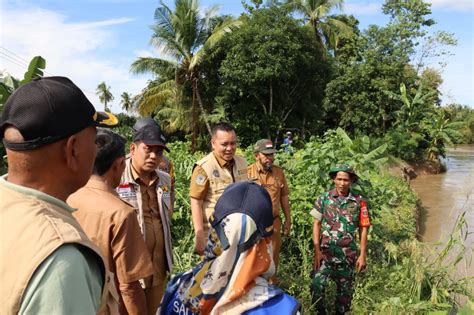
pixel 414 108
pixel 8 84
pixel 441 132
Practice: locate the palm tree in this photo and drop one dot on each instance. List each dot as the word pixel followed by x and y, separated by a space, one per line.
pixel 185 36
pixel 104 93
pixel 327 29
pixel 127 101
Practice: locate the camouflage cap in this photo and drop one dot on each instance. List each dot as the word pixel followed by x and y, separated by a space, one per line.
pixel 343 168
pixel 264 146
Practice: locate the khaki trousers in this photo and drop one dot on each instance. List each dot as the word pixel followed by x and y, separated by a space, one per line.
pixel 276 245
pixel 154 240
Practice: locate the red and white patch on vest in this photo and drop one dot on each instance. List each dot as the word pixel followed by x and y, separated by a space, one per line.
pixel 364 220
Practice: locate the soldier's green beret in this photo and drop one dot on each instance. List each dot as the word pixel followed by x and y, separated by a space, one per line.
pixel 343 168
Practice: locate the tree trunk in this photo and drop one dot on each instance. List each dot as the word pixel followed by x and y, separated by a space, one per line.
pixel 270 108
pixel 303 129
pixel 276 136
pixel 194 122
pixel 270 105
pixel 319 41
pixel 201 106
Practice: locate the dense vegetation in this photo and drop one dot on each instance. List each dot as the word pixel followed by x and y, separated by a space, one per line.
pixel 349 95
pixel 298 66
pixel 400 278
pixel 291 65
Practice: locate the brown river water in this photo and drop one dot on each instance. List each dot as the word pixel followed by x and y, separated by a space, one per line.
pixel 445 196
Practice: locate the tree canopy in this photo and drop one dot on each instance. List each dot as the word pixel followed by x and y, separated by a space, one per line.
pixel 299 65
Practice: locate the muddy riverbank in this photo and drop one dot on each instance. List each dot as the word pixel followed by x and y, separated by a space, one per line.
pixel 445 196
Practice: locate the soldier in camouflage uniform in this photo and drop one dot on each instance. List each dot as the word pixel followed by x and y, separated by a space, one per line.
pixel 338 215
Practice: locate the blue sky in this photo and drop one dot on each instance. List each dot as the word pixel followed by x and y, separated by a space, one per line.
pixel 92 41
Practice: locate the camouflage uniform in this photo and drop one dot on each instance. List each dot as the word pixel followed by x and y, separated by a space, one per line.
pixel 340 219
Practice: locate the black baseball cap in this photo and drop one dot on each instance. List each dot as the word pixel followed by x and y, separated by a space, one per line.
pixel 151 135
pixel 49 109
pixel 144 121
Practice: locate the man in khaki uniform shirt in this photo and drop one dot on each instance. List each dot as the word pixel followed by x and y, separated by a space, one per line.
pixel 272 178
pixel 211 175
pixel 112 224
pixel 165 164
pixel 148 190
pixel 47 263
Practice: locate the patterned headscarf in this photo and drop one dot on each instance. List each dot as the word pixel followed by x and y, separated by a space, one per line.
pixel 228 281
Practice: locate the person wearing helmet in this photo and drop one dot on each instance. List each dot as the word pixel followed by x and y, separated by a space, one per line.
pixel 338 214
pixel 165 164
pixel 233 276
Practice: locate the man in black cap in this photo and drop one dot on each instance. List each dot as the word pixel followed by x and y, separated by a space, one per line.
pixel 148 190
pixel 47 263
pixel 165 164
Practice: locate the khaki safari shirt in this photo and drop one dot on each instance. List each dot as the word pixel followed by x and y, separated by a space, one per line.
pixel 112 225
pixel 34 280
pixel 153 227
pixel 273 181
pixel 200 181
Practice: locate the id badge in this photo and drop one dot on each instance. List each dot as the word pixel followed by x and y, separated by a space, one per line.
pixel 127 193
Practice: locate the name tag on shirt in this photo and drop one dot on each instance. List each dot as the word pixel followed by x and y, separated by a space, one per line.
pixel 125 191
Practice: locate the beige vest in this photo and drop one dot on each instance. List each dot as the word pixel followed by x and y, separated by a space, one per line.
pixel 219 178
pixel 32 229
pixel 129 191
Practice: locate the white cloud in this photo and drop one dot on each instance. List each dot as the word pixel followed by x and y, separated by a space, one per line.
pixel 456 5
pixel 144 53
pixel 362 7
pixel 76 50
pixel 110 22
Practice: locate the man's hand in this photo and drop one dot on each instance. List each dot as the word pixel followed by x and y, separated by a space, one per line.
pixel 360 263
pixel 287 227
pixel 200 242
pixel 318 257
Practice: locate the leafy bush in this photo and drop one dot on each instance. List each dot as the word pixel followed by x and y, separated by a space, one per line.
pixel 405 145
